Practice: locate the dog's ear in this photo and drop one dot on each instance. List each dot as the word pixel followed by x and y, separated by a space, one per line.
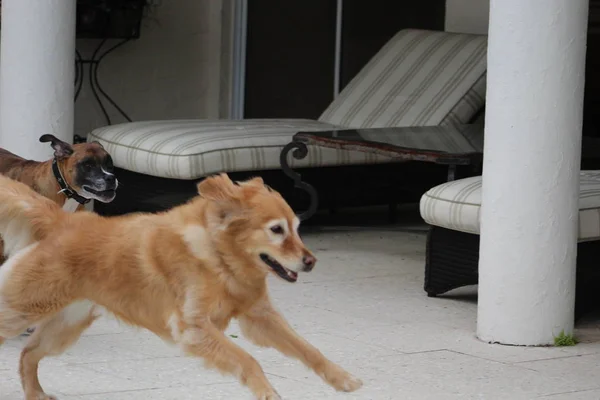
pixel 98 143
pixel 61 149
pixel 257 181
pixel 228 195
pixel 253 186
pixel 219 188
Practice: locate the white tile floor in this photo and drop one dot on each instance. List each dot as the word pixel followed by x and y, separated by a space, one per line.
pixel 364 307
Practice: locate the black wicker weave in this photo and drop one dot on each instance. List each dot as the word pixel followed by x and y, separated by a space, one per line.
pixel 452 260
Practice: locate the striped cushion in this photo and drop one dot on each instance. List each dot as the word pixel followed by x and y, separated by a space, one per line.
pixel 418 78
pixel 468 106
pixel 191 149
pixel 456 205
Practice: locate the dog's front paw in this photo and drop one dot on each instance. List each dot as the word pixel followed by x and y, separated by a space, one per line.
pixel 41 396
pixel 270 396
pixel 341 380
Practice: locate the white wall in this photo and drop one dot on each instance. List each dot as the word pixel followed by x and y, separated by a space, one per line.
pixel 226 61
pixel 179 68
pixel 468 16
pixel 172 71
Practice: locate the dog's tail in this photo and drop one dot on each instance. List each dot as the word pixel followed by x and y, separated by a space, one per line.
pixel 25 216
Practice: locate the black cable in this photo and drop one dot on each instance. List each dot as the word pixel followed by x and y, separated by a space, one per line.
pixel 78 73
pixel 97 90
pixel 97 82
pixel 92 63
pixel 77 61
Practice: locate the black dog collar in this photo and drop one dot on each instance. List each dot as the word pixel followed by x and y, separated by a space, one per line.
pixel 64 186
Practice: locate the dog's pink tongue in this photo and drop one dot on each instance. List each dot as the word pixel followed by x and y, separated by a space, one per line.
pixel 292 274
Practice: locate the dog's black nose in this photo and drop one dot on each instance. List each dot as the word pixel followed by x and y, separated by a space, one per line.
pixel 309 262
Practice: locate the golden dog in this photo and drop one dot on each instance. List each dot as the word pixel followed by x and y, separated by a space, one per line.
pixel 182 274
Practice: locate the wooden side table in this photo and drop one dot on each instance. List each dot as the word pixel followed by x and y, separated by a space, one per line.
pixel 453 146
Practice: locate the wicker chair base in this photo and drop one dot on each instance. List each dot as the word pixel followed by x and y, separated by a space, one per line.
pixel 452 260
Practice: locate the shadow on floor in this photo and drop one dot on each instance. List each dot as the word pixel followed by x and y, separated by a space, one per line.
pixel 408 219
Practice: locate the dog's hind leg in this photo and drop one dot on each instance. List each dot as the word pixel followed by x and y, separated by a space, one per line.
pixel 52 338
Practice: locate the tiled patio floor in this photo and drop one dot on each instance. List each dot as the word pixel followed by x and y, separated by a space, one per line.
pixel 364 307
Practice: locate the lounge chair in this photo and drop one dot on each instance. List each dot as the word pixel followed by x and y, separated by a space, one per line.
pixel 452 255
pixel 419 78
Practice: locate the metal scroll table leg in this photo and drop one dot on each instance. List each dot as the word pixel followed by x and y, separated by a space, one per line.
pixel 451 172
pixel 300 151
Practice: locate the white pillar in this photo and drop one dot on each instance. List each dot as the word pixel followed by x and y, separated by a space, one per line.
pixel 536 61
pixel 36 74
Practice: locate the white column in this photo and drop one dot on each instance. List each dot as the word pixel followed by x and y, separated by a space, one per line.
pixel 536 60
pixel 36 74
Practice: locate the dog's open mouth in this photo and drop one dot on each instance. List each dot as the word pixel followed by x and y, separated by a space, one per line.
pixel 280 270
pixel 102 194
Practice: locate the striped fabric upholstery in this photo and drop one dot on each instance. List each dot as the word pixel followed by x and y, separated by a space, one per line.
pixel 468 106
pixel 191 149
pixel 456 205
pixel 418 78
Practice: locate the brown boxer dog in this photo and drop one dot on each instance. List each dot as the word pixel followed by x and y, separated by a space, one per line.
pixel 80 172
pixel 76 174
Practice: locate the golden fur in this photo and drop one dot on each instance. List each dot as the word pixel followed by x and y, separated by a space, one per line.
pixel 182 274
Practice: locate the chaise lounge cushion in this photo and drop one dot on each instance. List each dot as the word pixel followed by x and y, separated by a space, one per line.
pixel 419 78
pixel 456 205
pixel 191 149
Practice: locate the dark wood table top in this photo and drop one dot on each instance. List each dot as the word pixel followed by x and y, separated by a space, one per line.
pixel 458 145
